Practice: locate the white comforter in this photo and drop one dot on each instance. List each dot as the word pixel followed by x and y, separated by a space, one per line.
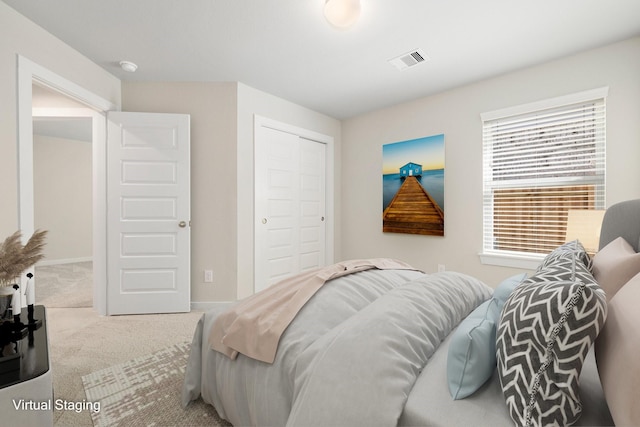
pixel 350 357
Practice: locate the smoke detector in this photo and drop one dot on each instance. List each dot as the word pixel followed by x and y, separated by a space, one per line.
pixel 409 59
pixel 128 66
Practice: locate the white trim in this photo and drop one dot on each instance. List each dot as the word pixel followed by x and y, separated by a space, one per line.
pixel 587 95
pixel 63 261
pixel 210 305
pixel 294 130
pixel 64 86
pixel 28 72
pixel 514 261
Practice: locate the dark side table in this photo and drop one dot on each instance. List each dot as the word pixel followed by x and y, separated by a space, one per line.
pixel 26 396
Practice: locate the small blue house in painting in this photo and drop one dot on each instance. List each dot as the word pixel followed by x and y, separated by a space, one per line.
pixel 411 169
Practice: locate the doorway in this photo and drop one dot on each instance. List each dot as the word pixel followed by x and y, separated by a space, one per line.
pixel 62 183
pixel 93 107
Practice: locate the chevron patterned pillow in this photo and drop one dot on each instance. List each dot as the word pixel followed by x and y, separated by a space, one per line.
pixel 546 329
pixel 568 251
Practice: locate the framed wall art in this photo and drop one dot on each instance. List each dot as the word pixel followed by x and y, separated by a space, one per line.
pixel 413 186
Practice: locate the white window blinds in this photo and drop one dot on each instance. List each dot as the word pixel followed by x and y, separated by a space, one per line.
pixel 540 161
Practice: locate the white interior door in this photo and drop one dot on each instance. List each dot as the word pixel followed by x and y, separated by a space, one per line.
pixel 290 205
pixel 148 213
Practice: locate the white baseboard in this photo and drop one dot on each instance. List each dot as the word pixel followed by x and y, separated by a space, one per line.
pixel 63 261
pixel 209 305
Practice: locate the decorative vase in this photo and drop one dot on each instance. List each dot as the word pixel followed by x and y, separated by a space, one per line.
pixel 6 293
pixel 11 327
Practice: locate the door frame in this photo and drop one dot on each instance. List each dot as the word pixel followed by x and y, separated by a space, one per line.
pixel 28 73
pixel 260 121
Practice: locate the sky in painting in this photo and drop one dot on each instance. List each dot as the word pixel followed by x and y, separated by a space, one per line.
pixel 427 151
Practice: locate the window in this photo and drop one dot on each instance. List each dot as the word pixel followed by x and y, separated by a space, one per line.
pixel 539 161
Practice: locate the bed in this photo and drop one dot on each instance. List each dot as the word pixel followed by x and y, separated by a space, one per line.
pixel 376 342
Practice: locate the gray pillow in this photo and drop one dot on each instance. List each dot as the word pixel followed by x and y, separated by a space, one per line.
pixel 568 251
pixel 546 329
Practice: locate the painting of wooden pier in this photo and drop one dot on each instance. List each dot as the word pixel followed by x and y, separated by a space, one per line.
pixel 413 186
pixel 413 211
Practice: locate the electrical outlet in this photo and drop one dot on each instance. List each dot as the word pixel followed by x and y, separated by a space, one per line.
pixel 440 268
pixel 208 276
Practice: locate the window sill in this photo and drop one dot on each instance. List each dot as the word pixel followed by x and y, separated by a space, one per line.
pixel 528 262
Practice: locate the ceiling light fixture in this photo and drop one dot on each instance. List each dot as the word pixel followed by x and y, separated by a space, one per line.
pixel 342 13
pixel 128 66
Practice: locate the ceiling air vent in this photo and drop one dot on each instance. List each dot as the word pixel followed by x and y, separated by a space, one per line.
pixel 409 59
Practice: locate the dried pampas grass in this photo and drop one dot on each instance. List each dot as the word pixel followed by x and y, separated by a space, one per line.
pixel 15 258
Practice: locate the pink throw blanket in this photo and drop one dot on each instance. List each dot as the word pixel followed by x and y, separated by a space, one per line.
pixel 253 326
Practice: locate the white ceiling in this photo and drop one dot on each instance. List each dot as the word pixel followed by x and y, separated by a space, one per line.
pixel 286 48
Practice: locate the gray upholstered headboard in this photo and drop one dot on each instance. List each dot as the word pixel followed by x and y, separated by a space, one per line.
pixel 622 219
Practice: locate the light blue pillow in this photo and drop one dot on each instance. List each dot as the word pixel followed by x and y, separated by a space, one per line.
pixel 504 290
pixel 472 350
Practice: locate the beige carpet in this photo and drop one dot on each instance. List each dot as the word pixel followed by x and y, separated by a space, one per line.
pixel 146 391
pixel 64 285
pixel 82 342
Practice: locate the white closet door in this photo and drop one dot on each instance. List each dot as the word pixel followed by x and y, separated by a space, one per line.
pixel 290 205
pixel 312 204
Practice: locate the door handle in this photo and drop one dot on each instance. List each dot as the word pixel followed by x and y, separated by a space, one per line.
pixel 182 224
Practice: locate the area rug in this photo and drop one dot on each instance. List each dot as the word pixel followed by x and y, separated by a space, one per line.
pixel 146 391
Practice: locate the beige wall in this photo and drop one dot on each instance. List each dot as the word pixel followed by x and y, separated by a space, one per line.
pixel 63 197
pixel 212 107
pixel 456 113
pixel 221 191
pixel 21 37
